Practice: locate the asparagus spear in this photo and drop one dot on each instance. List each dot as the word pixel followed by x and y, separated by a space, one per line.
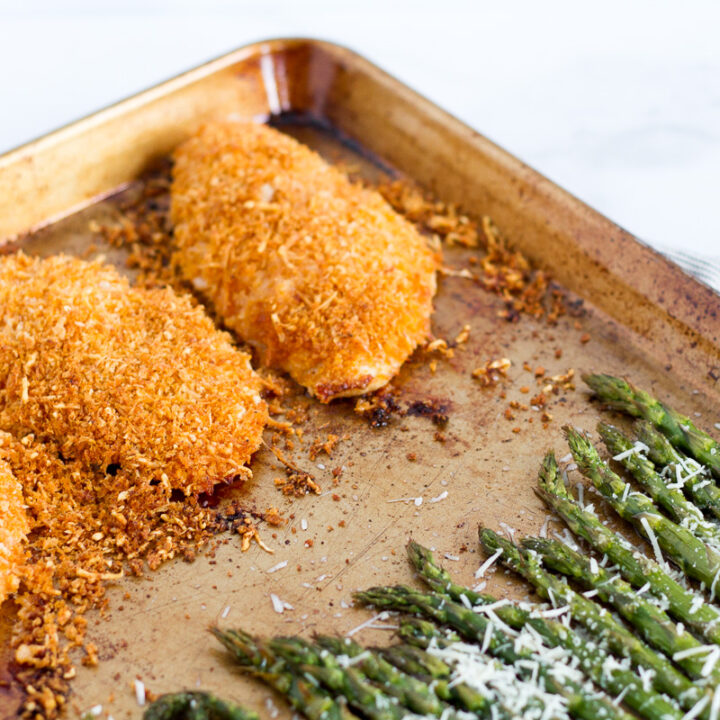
pixel 378 667
pixel 704 491
pixel 438 579
pixel 678 429
pixel 685 605
pixel 410 691
pixel 404 658
pixel 362 695
pixel 558 678
pixel 670 498
pixel 652 622
pixel 595 618
pixel 422 634
pixel 196 706
pixel 416 661
pixel 696 558
pixel 353 680
pixel 421 664
pixel 255 658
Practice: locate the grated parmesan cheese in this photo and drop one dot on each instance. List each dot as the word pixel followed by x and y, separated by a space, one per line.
pixel 639 448
pixel 139 692
pixel 653 542
pixel 380 616
pixel 715 705
pixel 480 572
pixel 279 606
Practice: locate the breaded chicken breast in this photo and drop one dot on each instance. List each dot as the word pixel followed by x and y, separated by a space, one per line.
pixel 123 380
pixel 317 273
pixel 13 529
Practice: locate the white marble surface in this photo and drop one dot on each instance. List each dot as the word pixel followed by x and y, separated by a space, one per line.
pixel 618 102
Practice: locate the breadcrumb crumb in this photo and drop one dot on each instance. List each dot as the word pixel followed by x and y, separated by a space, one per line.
pixel 492 372
pixel 501 270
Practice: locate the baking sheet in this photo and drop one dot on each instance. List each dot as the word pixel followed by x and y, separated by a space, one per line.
pixel 156 629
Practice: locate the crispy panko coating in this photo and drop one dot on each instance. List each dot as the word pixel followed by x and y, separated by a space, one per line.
pixel 317 273
pixel 13 529
pixel 136 383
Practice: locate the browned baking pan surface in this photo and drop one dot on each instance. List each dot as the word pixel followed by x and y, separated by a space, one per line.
pixel 633 313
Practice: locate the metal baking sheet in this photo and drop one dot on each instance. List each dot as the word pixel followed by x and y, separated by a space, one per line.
pixel 645 318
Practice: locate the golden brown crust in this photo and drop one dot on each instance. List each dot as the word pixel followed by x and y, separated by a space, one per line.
pixel 13 530
pixel 320 275
pixel 135 381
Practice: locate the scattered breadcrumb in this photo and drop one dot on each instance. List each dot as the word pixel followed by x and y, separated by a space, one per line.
pixel 326 446
pixel 501 270
pixel 438 218
pixel 463 335
pixel 296 482
pixel 492 372
pixel 556 383
pixel 441 347
pixel 143 228
pixel 552 387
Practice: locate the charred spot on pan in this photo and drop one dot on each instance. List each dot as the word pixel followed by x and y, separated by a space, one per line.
pixel 379 407
pixel 436 410
pixel 219 493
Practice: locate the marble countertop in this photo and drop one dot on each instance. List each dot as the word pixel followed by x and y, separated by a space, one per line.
pixel 618 103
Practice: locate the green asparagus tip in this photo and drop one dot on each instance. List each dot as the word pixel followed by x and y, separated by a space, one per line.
pixel 549 475
pixel 580 445
pixel 535 543
pixel 381 597
pixel 338 645
pixel 607 429
pixel 561 555
pixel 612 390
pixel 416 627
pixel 490 540
pixel 615 440
pixel 418 555
pixel 605 385
pixel 197 705
pixel 425 565
pixel 240 644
